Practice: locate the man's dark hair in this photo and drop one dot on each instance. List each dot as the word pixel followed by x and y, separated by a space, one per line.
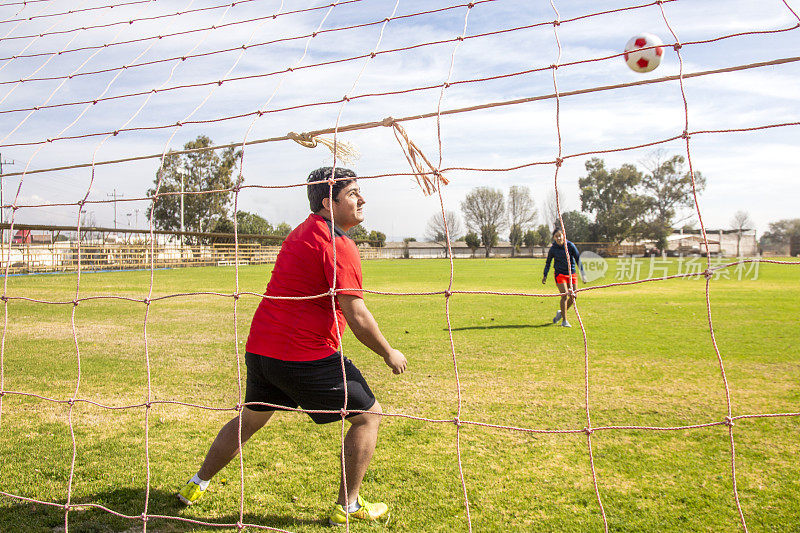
pixel 318 191
pixel 556 230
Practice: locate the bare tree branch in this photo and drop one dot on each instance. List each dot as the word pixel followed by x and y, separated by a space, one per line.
pixel 484 209
pixel 435 231
pixel 521 214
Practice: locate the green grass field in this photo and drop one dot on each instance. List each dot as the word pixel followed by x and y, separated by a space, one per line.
pixel 651 363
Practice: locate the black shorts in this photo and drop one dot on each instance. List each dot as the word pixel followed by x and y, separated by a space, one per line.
pixel 312 385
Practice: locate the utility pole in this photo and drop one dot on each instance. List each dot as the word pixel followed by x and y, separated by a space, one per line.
pixel 115 195
pixel 82 222
pixel 181 209
pixel 182 171
pixel 2 203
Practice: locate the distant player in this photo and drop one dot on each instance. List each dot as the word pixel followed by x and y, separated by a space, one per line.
pixel 292 351
pixel 564 272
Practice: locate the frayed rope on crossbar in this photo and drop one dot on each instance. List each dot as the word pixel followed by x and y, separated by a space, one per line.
pixel 342 150
pixel 428 180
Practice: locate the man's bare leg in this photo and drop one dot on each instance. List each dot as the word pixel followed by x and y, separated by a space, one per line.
pixel 562 288
pixel 359 445
pixel 226 446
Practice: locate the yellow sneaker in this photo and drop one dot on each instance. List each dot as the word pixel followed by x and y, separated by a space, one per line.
pixel 368 511
pixel 190 493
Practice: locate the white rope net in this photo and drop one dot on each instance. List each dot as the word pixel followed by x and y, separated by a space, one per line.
pixel 95 95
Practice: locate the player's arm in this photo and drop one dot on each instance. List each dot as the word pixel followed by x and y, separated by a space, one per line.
pixel 547 265
pixel 366 330
pixel 577 256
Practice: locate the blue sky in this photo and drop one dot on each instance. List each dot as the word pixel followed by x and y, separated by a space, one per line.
pixel 752 171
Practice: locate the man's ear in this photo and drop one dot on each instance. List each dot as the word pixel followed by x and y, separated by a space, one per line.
pixel 326 203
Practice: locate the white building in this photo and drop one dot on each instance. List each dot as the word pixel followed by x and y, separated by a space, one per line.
pixel 720 242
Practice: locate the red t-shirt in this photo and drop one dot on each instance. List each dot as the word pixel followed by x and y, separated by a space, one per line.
pixel 305 330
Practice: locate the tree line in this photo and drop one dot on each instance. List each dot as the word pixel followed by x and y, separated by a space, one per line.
pixel 616 204
pixel 782 232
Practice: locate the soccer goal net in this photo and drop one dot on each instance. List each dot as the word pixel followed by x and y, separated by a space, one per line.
pixel 195 116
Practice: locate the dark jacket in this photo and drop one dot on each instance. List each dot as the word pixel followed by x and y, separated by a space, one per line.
pixel 561 266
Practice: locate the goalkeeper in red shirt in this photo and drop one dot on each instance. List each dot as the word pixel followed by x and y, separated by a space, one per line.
pixel 292 352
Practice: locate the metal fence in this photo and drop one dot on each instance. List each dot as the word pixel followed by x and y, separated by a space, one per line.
pixel 68 256
pixel 56 249
pixel 93 256
pixel 28 248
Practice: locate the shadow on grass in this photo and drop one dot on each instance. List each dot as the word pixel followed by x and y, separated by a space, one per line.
pixel 17 516
pixel 506 326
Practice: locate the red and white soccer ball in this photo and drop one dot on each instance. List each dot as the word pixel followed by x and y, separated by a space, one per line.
pixel 644 60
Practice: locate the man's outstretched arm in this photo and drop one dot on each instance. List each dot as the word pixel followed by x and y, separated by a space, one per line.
pixel 366 330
